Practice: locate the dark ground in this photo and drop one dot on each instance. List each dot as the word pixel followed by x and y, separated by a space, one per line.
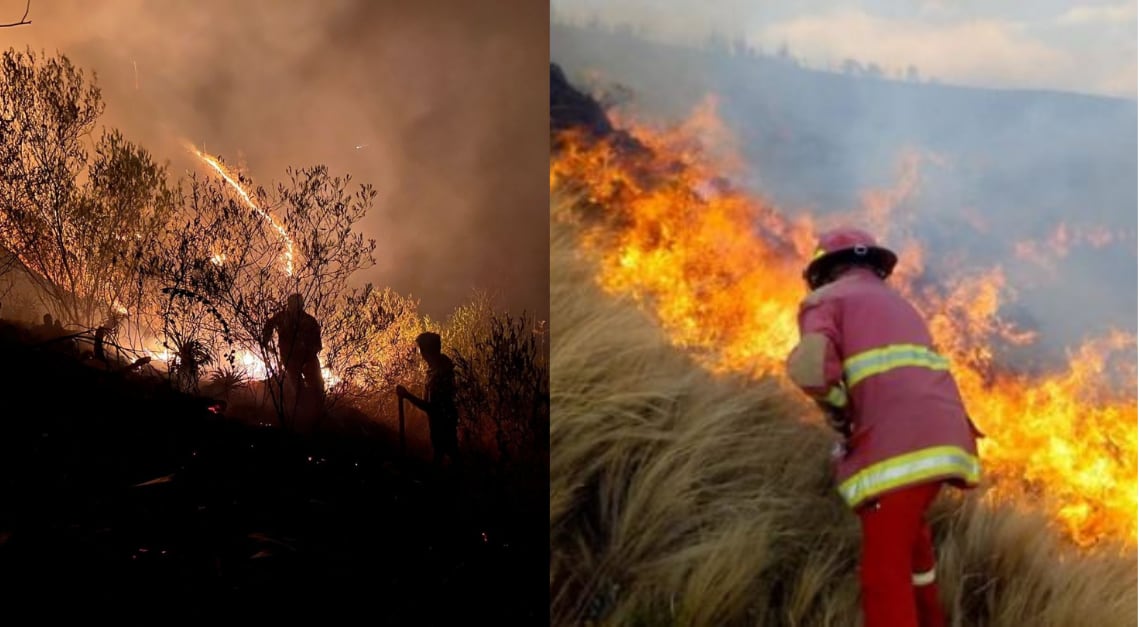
pixel 248 516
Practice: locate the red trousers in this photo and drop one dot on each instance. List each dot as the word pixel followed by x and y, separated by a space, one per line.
pixel 898 560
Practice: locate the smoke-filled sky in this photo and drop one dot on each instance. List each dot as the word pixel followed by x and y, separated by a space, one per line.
pixel 1038 184
pixel 1086 46
pixel 439 104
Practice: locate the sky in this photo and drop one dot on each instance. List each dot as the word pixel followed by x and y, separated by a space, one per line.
pixel 1033 164
pixel 1084 46
pixel 418 99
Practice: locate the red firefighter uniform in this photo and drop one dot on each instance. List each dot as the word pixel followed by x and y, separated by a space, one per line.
pixel 866 354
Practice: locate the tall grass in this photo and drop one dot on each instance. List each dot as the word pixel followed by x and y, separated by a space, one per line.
pixel 682 498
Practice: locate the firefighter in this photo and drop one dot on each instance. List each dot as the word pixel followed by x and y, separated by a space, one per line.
pixel 298 345
pixel 47 329
pixel 438 400
pixel 866 356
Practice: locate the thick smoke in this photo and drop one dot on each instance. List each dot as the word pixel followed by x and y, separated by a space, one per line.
pixel 1041 184
pixel 438 103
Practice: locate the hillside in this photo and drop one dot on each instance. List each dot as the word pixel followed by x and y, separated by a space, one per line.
pixel 116 487
pixel 978 175
pixel 683 497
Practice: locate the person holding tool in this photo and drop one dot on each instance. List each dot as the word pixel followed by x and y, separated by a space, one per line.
pixel 438 400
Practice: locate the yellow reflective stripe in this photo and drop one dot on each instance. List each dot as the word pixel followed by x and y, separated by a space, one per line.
pixel 836 397
pixel 910 468
pixel 819 253
pixel 924 579
pixel 879 360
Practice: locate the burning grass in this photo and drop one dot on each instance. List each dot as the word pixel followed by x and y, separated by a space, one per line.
pixel 719 269
pixel 683 497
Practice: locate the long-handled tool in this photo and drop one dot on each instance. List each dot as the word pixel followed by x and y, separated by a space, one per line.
pixel 402 446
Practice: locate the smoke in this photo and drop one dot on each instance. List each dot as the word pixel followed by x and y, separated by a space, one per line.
pixel 981 177
pixel 1069 45
pixel 439 104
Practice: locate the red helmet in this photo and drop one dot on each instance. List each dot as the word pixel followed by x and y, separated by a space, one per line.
pixel 846 246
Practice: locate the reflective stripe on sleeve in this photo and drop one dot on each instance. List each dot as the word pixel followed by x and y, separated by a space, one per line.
pixel 879 360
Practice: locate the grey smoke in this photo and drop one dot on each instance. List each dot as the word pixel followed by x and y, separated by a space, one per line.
pixel 1015 162
pixel 440 104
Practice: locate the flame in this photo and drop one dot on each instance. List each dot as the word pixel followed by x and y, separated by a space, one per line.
pixel 225 174
pixel 330 378
pixel 159 353
pixel 720 269
pixel 253 365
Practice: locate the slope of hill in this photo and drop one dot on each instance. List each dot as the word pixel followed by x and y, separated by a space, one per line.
pixel 990 170
pixel 680 498
pixel 118 488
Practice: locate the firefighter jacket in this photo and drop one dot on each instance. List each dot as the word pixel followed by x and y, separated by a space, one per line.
pixel 863 348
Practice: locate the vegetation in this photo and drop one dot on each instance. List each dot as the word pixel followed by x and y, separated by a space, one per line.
pixel 95 232
pixel 682 498
pixel 145 468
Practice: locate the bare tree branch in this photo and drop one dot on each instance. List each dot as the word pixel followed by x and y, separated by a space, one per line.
pixel 23 20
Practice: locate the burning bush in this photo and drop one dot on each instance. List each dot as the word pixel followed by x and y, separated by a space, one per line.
pixel 188 274
pixel 80 221
pixel 373 345
pixel 502 375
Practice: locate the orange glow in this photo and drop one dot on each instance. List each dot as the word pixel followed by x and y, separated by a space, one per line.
pixel 217 166
pixel 720 269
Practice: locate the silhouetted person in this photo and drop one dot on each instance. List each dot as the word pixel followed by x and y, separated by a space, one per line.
pixel 298 345
pixel 438 400
pixel 100 338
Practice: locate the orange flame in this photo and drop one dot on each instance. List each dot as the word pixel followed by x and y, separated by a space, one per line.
pixel 225 174
pixel 720 269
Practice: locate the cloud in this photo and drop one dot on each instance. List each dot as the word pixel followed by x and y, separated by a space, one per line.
pixel 1121 82
pixel 1123 13
pixel 980 51
pixel 1055 44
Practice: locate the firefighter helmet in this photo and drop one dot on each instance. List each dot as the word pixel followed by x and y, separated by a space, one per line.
pixel 847 246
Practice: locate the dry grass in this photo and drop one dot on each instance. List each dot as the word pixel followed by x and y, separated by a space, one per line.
pixel 680 498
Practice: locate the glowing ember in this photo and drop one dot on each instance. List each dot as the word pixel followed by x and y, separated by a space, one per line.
pixel 160 354
pixel 721 272
pixel 224 173
pixel 253 365
pixel 330 379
